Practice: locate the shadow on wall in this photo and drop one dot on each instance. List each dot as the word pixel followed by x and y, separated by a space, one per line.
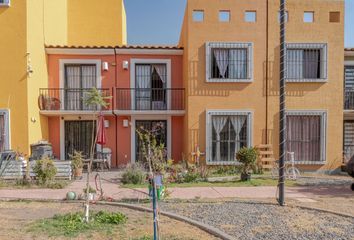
pixel 197 136
pixel 292 89
pixel 197 80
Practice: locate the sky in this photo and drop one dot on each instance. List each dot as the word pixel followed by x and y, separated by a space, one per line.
pixel 160 21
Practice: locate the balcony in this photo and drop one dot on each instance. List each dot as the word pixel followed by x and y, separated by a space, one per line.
pixel 349 100
pixel 63 101
pixel 149 101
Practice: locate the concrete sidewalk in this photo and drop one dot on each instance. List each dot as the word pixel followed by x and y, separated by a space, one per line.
pixel 112 189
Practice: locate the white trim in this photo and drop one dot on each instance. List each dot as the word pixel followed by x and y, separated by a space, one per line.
pixel 6 113
pixel 148 112
pixel 324 62
pixel 135 61
pixel 228 45
pixel 349 63
pixel 151 117
pixel 348 53
pixel 323 115
pixel 73 113
pixel 150 51
pixel 63 62
pixel 62 130
pixel 209 114
pixel 80 51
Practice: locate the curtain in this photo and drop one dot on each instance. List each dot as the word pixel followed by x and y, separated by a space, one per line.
pixel 304 137
pixel 143 85
pixel 222 60
pixel 294 66
pixel 218 124
pixel 238 63
pixel 311 63
pixel 88 81
pixel 2 133
pixel 161 71
pixel 72 85
pixel 237 123
pixel 159 93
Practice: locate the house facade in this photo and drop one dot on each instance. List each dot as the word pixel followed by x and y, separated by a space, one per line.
pixel 26 27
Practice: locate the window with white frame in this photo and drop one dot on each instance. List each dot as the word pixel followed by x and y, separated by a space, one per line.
pixel 306 136
pixel 4 130
pixel 5 3
pixel 306 62
pixel 229 62
pixel 227 132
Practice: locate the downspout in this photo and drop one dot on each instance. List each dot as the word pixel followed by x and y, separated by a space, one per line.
pixel 114 102
pixel 267 65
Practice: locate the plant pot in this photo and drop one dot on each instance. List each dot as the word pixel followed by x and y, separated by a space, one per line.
pixel 245 177
pixel 77 173
pixel 91 196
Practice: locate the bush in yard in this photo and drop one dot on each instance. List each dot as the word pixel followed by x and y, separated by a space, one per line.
pixel 133 174
pixel 45 170
pixel 247 157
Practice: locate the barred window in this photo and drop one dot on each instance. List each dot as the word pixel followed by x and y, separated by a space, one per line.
pixel 4 3
pixel 4 130
pixel 227 133
pixel 229 62
pixel 306 136
pixel 306 62
pixel 349 87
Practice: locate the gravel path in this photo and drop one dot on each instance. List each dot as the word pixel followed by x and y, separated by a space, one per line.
pixel 265 221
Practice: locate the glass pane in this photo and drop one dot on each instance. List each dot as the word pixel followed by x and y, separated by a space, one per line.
pixel 250 16
pixel 309 17
pixel 198 16
pixel 224 16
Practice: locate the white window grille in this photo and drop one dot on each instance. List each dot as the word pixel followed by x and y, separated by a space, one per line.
pixel 229 62
pixel 306 62
pixel 306 136
pixel 227 132
pixel 5 3
pixel 4 130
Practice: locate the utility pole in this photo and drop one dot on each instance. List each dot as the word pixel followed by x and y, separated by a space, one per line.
pixel 282 117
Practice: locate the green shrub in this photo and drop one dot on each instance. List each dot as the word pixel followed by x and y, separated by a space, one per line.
pixel 110 218
pixel 45 170
pixel 247 157
pixel 133 174
pixel 76 160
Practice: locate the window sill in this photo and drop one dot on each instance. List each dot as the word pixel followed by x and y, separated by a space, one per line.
pixel 306 80
pixel 310 162
pixel 229 80
pixel 209 163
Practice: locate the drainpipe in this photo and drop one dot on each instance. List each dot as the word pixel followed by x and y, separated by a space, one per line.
pixel 267 65
pixel 114 102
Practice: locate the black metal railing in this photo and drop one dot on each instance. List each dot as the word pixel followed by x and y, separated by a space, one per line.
pixel 149 99
pixel 349 100
pixel 69 99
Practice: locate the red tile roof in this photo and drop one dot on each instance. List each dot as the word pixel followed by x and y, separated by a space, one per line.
pixel 167 47
pixel 349 49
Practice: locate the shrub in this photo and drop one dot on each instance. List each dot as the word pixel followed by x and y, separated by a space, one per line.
pixel 76 160
pixel 110 218
pixel 45 170
pixel 133 174
pixel 248 158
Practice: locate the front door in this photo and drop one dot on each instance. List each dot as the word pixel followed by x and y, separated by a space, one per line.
pixel 78 137
pixel 161 135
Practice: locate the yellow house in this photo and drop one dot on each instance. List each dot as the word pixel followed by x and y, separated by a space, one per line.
pixel 231 76
pixel 26 27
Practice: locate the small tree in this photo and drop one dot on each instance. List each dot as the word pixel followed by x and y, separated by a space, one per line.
pixel 94 99
pixel 248 158
pixel 45 170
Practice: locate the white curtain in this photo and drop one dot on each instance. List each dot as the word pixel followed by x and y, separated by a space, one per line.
pixel 294 66
pixel 72 85
pixel 238 64
pixel 312 63
pixel 218 124
pixel 161 71
pixel 222 60
pixel 143 85
pixel 237 123
pixel 88 81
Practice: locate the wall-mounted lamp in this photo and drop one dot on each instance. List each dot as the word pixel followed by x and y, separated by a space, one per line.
pixel 125 65
pixel 33 119
pixel 29 66
pixel 106 123
pixel 125 123
pixel 105 66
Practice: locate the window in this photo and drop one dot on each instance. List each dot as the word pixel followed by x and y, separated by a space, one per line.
pixel 306 62
pixel 4 3
pixel 227 132
pixel 229 62
pixel 348 146
pixel 334 17
pixel 306 136
pixel 250 16
pixel 286 16
pixel 309 17
pixel 198 16
pixel 349 87
pixel 4 130
pixel 224 16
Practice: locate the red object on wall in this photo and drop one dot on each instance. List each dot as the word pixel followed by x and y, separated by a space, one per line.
pixel 101 137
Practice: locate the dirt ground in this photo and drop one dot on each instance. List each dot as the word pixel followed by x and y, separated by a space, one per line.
pixel 16 218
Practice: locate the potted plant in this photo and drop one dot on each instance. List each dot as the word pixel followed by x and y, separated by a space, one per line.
pixel 91 193
pixel 77 164
pixel 247 157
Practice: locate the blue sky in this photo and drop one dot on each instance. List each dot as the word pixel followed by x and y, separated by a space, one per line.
pixel 159 21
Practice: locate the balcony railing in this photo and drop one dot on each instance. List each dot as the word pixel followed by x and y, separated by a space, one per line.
pixel 69 99
pixel 149 99
pixel 349 100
